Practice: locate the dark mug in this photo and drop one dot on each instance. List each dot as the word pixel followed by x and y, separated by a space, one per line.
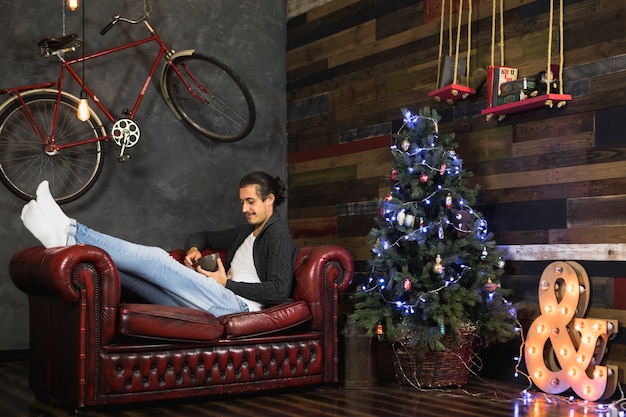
pixel 209 262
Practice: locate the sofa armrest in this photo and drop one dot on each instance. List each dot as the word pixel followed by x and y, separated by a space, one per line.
pixel 78 274
pixel 322 269
pixel 321 272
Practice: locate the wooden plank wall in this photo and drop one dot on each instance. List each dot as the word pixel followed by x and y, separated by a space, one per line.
pixel 553 180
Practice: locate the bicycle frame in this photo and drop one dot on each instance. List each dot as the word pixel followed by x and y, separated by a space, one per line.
pixel 66 65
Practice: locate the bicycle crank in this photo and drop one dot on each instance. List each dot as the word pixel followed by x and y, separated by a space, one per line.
pixel 125 134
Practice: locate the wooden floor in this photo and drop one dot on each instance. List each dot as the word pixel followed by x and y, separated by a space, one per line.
pixel 478 398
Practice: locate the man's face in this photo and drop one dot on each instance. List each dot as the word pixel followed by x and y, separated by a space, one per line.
pixel 256 210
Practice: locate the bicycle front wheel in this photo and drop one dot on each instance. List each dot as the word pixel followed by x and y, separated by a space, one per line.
pixel 209 97
pixel 25 160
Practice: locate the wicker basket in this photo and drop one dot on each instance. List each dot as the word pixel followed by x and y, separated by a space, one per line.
pixel 447 368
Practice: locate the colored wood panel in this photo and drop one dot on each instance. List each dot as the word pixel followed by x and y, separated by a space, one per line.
pixel 358 225
pixel 526 287
pixel 554 176
pixel 566 252
pixel 527 215
pixel 380 156
pixel 524 237
pixel 603 234
pixel 558 144
pixel 536 193
pixel 334 193
pixel 597 211
pixel 322 176
pixel 554 127
pixel 480 146
pixel 317 211
pixel 313 227
pixel 619 294
pixel 329 48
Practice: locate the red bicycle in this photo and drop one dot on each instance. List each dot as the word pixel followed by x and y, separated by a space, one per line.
pixel 41 137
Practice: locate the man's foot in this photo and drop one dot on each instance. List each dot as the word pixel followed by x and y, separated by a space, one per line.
pixel 50 208
pixel 49 234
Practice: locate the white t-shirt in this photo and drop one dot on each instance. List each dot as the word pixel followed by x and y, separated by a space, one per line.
pixel 242 269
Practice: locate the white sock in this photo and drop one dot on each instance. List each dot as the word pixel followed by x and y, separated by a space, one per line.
pixel 41 227
pixel 50 208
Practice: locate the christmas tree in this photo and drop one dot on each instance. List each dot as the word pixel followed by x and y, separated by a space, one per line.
pixel 435 269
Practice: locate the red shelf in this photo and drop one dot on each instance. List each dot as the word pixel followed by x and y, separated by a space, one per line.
pixel 549 100
pixel 451 93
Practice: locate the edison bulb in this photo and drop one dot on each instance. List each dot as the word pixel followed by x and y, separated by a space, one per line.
pixel 72 4
pixel 83 110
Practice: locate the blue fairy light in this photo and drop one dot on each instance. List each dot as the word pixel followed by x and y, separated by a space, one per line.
pixel 481 229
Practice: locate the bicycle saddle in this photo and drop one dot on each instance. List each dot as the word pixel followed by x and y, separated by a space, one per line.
pixel 49 45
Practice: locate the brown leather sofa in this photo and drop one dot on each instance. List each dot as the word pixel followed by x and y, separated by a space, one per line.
pixel 89 346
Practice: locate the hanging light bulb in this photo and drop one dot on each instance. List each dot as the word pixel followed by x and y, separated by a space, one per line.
pixel 83 107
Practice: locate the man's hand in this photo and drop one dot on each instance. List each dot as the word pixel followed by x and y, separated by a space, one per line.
pixel 219 275
pixel 191 259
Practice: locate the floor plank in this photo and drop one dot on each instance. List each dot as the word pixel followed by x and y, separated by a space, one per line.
pixel 477 399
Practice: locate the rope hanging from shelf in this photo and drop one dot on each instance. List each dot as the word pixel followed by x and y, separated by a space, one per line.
pixel 458 39
pixel 548 70
pixel 493 32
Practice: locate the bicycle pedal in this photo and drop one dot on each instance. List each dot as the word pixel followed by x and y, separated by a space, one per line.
pixel 123 158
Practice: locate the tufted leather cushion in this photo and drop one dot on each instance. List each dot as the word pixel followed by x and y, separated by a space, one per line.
pixel 268 320
pixel 174 323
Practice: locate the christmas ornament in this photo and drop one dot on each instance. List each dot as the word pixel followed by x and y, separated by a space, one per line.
pixel 379 330
pixel 405 145
pixel 448 201
pixel 461 223
pixel 484 254
pixel 438 268
pixel 442 170
pixel 406 284
pixel 441 235
pixel 393 175
pixel 405 219
pixel 424 177
pixel 490 286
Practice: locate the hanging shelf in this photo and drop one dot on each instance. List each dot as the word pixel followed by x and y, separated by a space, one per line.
pixel 549 100
pixel 450 66
pixel 451 93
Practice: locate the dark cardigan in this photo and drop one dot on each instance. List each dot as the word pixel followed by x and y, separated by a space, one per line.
pixel 274 256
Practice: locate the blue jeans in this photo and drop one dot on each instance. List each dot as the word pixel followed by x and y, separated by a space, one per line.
pixel 153 274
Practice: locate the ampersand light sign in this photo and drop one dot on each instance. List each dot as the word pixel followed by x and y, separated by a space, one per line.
pixel 564 350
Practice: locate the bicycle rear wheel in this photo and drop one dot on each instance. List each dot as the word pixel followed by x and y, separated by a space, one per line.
pixel 219 105
pixel 24 159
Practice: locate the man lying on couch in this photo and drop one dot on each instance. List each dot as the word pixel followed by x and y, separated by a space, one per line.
pixel 257 272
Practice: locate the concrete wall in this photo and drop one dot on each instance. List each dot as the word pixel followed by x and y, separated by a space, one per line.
pixel 176 181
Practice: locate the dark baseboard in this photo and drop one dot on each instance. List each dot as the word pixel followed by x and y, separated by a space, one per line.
pixel 13 355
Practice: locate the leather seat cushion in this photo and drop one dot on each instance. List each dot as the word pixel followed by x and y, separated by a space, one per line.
pixel 167 322
pixel 269 320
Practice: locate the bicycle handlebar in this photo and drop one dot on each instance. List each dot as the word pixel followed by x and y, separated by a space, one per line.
pixel 117 18
pixel 147 9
